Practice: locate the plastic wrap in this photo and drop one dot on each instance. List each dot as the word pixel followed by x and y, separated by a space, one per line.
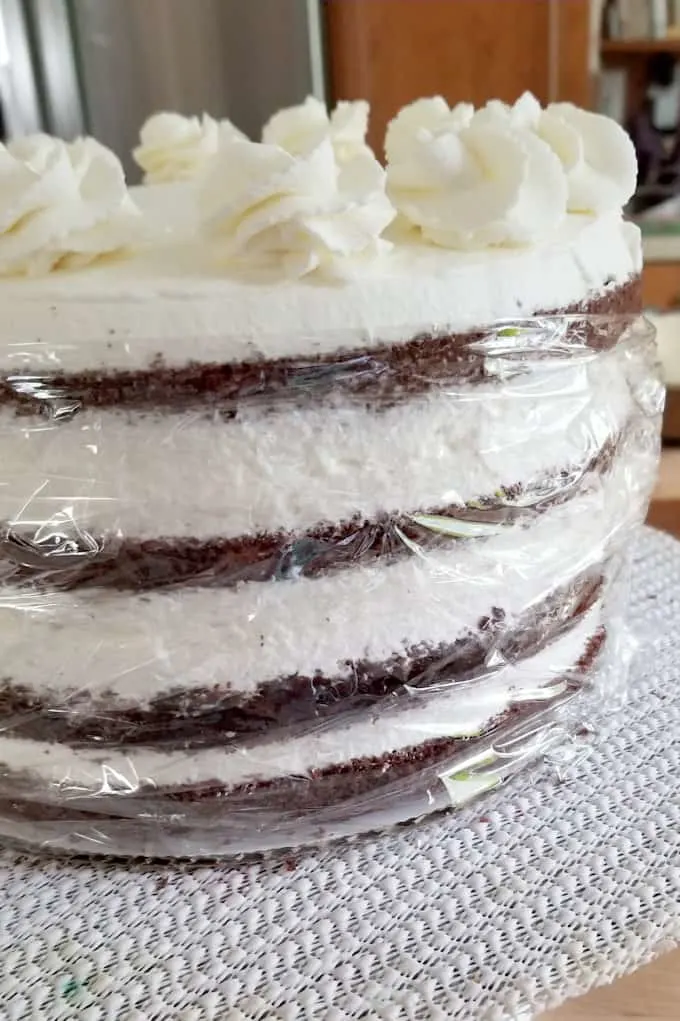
pixel 254 606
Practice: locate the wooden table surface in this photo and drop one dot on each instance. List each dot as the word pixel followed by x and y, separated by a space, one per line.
pixel 665 510
pixel 651 994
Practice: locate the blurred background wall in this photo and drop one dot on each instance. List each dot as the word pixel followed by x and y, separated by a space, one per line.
pixel 102 66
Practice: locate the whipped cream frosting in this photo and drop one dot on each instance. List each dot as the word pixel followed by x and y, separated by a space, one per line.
pixel 597 156
pixel 311 196
pixel 470 182
pixel 300 129
pixel 266 207
pixel 504 175
pixel 175 148
pixel 222 216
pixel 63 205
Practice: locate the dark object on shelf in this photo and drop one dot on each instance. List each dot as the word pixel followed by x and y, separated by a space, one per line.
pixel 661 69
pixel 656 138
pixel 611 20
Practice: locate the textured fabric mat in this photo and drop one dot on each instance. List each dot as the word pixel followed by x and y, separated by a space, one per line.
pixel 526 899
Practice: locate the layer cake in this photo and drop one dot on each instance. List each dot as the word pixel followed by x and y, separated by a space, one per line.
pixel 315 482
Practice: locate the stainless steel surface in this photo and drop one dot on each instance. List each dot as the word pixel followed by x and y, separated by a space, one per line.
pixel 19 92
pixel 55 54
pixel 315 42
pixel 231 58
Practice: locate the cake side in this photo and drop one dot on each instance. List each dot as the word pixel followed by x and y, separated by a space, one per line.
pixel 297 470
pixel 434 721
pixel 315 501
pixel 305 648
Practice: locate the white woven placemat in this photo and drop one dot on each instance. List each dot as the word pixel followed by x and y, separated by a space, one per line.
pixel 495 914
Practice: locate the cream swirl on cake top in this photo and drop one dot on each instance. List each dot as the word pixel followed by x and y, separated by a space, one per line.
pixel 471 180
pixel 300 129
pixel 175 148
pixel 424 116
pixel 63 205
pixel 266 207
pixel 597 155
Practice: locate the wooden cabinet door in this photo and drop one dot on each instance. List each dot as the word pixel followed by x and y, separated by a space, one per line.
pixel 661 286
pixel 393 51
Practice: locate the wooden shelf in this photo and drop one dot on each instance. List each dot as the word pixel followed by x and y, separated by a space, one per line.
pixel 641 46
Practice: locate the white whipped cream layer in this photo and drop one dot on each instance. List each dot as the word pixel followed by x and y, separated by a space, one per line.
pixel 173 304
pixel 460 711
pixel 63 205
pixel 146 475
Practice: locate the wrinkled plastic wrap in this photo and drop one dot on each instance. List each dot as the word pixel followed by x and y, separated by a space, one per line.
pixel 243 610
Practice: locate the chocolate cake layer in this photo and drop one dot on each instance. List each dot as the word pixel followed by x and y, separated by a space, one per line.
pixel 200 717
pixel 370 776
pixel 285 798
pixel 291 796
pixel 384 372
pixel 142 565
pixel 398 774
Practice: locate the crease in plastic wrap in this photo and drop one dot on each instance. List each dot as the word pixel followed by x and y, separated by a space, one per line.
pixel 247 607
